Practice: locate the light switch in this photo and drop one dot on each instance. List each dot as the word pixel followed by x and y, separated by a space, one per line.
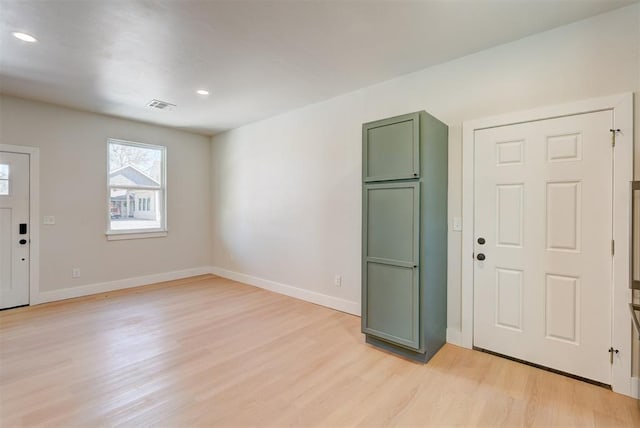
pixel 49 219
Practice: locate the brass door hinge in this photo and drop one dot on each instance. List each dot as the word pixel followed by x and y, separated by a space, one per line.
pixel 613 247
pixel 613 136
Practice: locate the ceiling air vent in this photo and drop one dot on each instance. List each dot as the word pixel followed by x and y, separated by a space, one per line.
pixel 160 105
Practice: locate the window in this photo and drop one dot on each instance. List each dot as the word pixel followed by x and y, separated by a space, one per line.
pixel 136 183
pixel 4 179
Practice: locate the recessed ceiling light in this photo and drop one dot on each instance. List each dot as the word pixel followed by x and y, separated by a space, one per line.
pixel 202 92
pixel 24 37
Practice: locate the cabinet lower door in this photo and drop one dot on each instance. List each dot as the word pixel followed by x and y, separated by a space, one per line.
pixel 390 298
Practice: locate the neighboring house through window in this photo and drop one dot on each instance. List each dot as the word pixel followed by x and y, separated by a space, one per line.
pixel 137 191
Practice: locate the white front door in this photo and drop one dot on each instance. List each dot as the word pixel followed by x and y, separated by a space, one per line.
pixel 14 229
pixel 543 206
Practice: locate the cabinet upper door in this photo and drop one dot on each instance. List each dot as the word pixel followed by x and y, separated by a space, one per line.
pixel 391 148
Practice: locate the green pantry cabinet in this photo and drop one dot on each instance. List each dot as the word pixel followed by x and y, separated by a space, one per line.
pixel 404 234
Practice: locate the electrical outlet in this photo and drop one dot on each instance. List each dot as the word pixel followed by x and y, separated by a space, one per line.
pixel 75 273
pixel 49 219
pixel 337 280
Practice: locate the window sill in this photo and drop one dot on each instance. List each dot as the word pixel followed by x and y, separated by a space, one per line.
pixel 117 236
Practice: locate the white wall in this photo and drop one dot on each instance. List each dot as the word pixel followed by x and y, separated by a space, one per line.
pixel 73 189
pixel 287 190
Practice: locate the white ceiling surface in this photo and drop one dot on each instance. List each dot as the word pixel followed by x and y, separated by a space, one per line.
pixel 257 58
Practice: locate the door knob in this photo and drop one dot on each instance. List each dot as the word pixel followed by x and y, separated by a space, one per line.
pixel 481 256
pixel 22 241
pixel 481 240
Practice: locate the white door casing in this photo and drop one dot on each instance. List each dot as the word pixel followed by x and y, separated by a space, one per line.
pixel 543 203
pixel 14 243
pixel 621 105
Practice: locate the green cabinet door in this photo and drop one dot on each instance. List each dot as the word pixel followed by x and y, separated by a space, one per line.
pixel 390 264
pixel 391 148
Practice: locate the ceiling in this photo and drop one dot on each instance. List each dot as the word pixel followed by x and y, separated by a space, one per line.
pixel 257 58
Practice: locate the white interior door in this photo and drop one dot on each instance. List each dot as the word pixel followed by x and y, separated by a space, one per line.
pixel 543 204
pixel 14 238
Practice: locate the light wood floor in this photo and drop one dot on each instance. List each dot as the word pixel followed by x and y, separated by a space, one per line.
pixel 211 352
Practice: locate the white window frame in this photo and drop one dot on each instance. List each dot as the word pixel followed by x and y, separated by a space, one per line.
pixel 8 180
pixel 113 235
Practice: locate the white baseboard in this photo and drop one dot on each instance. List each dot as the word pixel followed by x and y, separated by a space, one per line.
pixel 291 291
pixel 103 287
pixel 454 336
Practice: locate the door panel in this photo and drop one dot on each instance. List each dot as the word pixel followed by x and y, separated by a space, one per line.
pixel 509 211
pixel 390 272
pixel 543 203
pixel 14 246
pixel 562 307
pixel 563 216
pixel 391 149
pixel 509 298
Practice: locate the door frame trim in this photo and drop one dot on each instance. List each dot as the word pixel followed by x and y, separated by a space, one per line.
pixel 622 107
pixel 34 215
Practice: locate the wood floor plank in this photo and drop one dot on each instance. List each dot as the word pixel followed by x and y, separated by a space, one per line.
pixel 207 351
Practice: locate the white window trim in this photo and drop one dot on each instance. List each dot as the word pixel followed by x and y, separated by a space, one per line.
pixel 135 234
pixel 622 107
pixel 117 235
